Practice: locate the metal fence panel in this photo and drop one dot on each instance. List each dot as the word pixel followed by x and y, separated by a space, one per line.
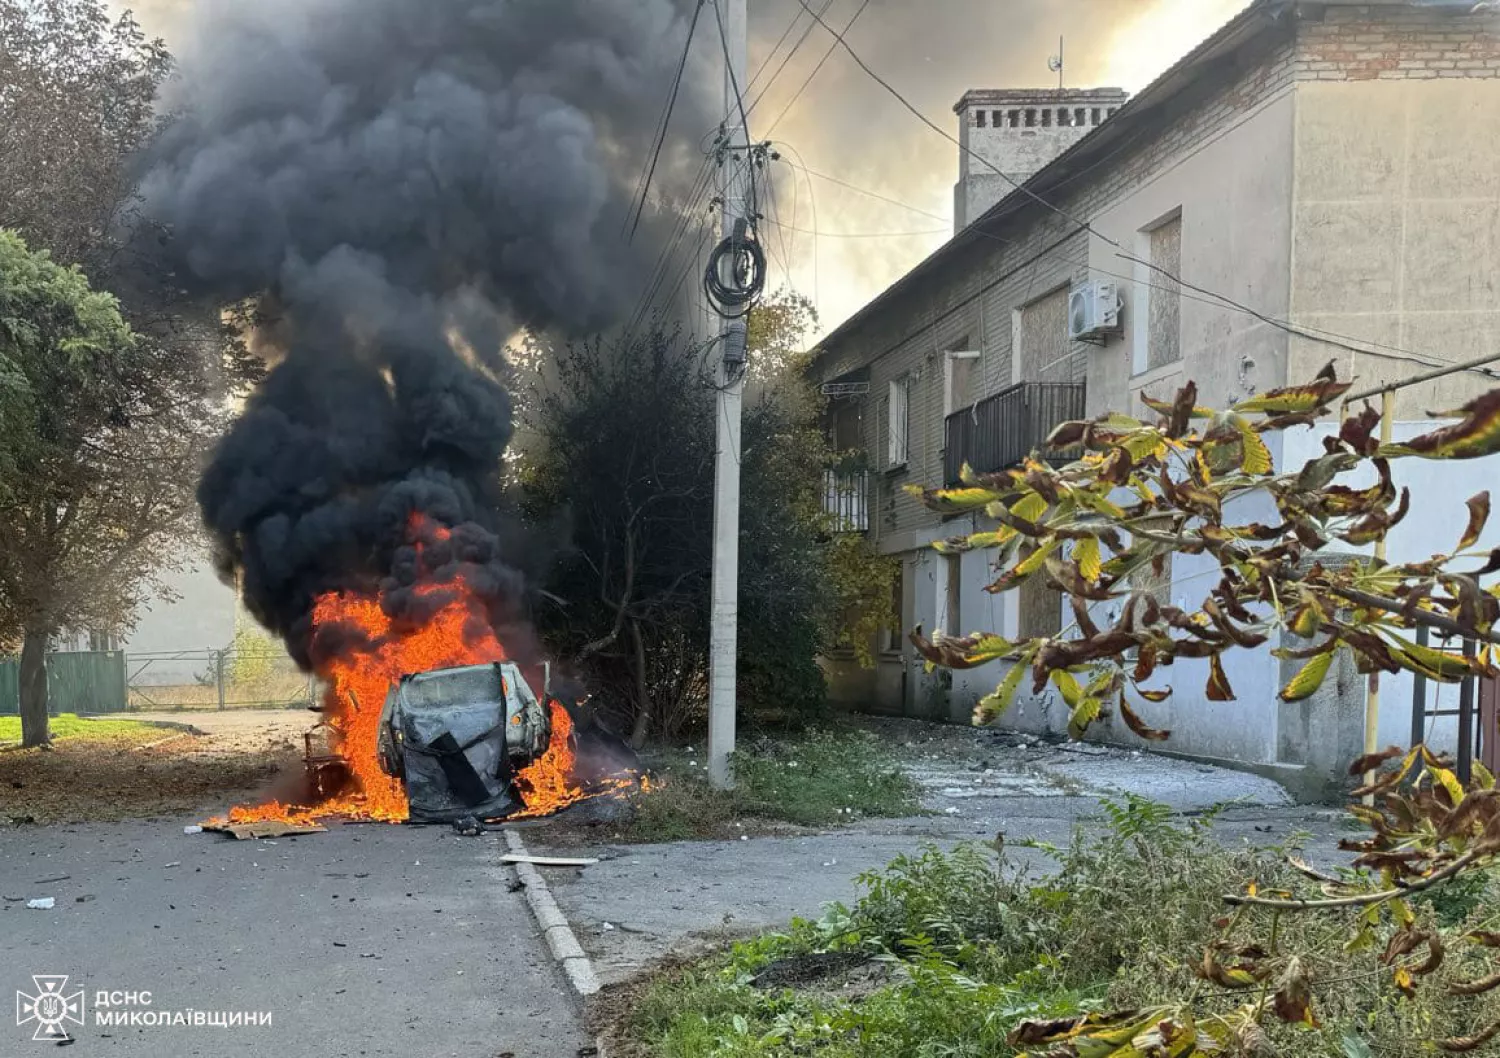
pixel 10 686
pixel 77 682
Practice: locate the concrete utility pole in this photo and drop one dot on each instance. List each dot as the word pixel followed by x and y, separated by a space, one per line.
pixel 734 187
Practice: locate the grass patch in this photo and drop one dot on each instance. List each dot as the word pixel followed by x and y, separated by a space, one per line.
pixel 946 952
pixel 66 727
pixel 820 779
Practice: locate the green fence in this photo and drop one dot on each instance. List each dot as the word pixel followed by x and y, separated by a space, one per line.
pixel 81 682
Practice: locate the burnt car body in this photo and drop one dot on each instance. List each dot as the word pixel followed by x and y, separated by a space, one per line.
pixel 455 738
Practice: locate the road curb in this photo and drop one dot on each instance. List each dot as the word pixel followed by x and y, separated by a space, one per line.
pixel 561 941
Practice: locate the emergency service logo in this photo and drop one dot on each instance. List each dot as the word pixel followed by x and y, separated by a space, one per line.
pixel 52 1008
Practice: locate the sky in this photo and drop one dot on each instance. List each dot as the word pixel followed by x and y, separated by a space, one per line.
pixel 844 125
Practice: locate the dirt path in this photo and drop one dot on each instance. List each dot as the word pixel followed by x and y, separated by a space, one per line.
pixel 203 762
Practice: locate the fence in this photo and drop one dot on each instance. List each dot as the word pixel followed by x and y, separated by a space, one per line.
pixel 217 679
pixel 114 681
pixel 81 682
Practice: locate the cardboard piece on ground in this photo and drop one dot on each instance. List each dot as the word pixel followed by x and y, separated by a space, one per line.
pixel 269 829
pixel 547 861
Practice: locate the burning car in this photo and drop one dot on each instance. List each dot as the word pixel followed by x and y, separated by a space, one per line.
pixel 456 737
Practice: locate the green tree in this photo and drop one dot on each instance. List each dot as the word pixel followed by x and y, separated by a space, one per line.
pixel 79 514
pixel 79 99
pixel 621 444
pixel 102 508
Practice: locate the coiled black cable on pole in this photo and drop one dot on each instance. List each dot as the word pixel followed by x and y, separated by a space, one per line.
pixel 736 273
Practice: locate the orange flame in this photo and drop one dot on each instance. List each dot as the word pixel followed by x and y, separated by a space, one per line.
pixel 458 633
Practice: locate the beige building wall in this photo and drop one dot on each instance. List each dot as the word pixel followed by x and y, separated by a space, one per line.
pixel 1397 230
pixel 1236 224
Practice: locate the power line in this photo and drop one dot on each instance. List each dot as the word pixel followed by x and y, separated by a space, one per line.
pixel 812 198
pixel 789 55
pixel 666 119
pixel 1310 334
pixel 739 98
pixel 863 190
pixel 858 234
pixel 816 69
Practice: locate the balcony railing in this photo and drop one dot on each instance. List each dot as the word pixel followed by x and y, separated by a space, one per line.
pixel 1002 430
pixel 846 498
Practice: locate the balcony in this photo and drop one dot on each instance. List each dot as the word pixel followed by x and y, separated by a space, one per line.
pixel 1002 430
pixel 846 499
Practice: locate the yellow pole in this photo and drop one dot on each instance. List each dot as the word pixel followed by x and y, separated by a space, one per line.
pixel 1372 699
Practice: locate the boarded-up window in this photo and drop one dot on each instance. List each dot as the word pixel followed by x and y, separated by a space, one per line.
pixel 892 637
pixel 1046 353
pixel 952 609
pixel 1041 609
pixel 898 425
pixel 1164 327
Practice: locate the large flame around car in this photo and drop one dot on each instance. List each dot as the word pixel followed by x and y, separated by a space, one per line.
pixel 458 632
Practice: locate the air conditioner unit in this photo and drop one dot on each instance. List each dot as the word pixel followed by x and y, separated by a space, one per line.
pixel 1094 311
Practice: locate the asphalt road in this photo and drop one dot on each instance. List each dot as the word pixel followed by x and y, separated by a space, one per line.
pixel 365 940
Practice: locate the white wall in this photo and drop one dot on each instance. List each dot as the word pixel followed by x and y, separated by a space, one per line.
pixel 1433 525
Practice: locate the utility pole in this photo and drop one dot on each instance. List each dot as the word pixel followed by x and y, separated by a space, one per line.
pixel 735 159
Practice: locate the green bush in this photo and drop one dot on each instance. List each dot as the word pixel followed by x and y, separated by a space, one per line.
pixel 964 944
pixel 819 778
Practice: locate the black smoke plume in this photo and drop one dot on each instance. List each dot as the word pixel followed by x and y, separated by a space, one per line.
pixel 399 186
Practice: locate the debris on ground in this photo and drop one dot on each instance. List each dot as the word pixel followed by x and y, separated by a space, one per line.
pixel 270 828
pixel 468 827
pixel 237 757
pixel 44 903
pixel 548 861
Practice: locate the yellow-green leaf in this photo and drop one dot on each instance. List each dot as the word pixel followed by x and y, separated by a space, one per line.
pixel 1478 434
pixel 953 501
pixel 1036 559
pixel 1257 456
pixel 1449 782
pixel 1067 686
pixel 1307 619
pixel 1295 399
pixel 1084 714
pixel 992 707
pixel 1030 507
pixel 1433 663
pixel 1309 679
pixel 988 647
pixel 1090 562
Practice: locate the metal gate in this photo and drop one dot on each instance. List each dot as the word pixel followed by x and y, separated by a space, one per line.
pixel 190 680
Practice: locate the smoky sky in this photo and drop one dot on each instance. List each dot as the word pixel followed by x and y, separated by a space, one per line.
pixel 398 185
pixel 347 152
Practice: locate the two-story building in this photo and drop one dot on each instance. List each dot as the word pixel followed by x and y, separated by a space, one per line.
pixel 1315 181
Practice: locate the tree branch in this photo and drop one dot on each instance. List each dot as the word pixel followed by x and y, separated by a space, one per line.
pixel 1458 866
pixel 1421 617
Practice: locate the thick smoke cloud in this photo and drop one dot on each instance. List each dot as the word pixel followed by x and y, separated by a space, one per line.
pixel 394 181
